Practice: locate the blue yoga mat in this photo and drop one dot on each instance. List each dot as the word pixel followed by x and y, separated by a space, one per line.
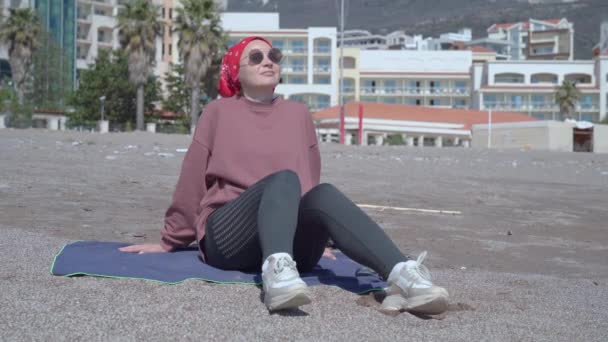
pixel 103 259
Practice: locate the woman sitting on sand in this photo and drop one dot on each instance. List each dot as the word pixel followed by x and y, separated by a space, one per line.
pixel 249 194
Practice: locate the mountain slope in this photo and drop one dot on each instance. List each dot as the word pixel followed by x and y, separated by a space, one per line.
pixel 432 17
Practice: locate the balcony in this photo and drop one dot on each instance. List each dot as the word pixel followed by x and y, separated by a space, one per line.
pixel 317 106
pixel 417 91
pixel 322 50
pixel 295 69
pixel 348 90
pixel 322 69
pixel 296 51
pixel 538 107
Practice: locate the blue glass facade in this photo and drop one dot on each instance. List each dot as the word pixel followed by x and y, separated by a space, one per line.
pixel 58 18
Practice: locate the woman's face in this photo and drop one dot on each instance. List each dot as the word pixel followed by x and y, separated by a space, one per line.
pixel 259 76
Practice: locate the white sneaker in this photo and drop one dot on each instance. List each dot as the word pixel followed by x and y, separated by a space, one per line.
pixel 283 287
pixel 410 289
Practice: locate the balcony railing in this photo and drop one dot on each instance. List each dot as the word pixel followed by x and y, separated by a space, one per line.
pixel 414 91
pixel 316 106
pixel 293 68
pixel 322 50
pixel 295 50
pixel 537 106
pixel 321 68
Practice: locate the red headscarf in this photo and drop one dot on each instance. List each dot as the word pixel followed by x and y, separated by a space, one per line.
pixel 229 84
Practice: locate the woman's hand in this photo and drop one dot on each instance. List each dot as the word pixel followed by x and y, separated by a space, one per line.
pixel 328 254
pixel 144 248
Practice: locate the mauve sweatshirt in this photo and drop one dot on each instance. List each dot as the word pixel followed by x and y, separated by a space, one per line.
pixel 236 143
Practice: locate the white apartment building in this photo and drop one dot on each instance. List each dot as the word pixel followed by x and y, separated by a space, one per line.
pixel 309 69
pixel 425 78
pixel 398 40
pixel 466 79
pixel 533 39
pixel 529 87
pixel 96 20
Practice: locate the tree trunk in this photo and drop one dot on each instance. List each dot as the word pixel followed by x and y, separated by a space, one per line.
pixel 194 109
pixel 140 107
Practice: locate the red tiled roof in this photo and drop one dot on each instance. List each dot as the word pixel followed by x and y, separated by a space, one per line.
pixel 467 117
pixel 477 48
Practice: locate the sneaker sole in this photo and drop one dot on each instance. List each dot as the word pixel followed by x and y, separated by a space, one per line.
pixel 431 304
pixel 290 300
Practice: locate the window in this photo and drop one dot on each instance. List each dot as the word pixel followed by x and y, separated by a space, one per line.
pixel 322 65
pixel 586 101
pixel 349 63
pixel 578 78
pixel 539 116
pixel 587 117
pixel 170 49
pixel 390 86
pixel 538 101
pixel 297 80
pixel 418 102
pixel 490 100
pixel 100 36
pixel 349 85
pixel 390 100
pixel 322 46
pixel 170 13
pixel 162 52
pixel 163 13
pixel 368 86
pixel 321 80
pixel 298 46
pixel 544 78
pixel 279 44
pixel 547 50
pixel 435 102
pixel 460 103
pixel 517 101
pixel 509 78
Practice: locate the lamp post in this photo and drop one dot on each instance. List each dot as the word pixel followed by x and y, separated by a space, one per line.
pixel 102 99
pixel 341 80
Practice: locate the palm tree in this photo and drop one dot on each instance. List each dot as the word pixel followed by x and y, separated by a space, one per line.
pixel 139 26
pixel 201 40
pixel 566 97
pixel 21 32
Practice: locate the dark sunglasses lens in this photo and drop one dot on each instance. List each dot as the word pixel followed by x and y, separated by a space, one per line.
pixel 256 57
pixel 275 55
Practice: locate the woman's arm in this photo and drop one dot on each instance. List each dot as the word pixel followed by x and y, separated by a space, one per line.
pixel 179 228
pixel 313 150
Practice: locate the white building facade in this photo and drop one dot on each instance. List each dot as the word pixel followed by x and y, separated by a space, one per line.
pixel 529 87
pixel 533 39
pixel 463 79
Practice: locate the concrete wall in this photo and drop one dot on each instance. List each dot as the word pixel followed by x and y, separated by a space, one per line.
pixel 600 138
pixel 540 135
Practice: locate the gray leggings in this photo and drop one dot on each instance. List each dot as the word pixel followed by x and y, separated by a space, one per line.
pixel 271 216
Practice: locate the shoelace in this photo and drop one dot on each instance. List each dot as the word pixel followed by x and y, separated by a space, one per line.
pixel 420 270
pixel 283 263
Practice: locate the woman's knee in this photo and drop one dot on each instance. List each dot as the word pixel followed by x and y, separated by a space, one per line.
pixel 286 176
pixel 325 189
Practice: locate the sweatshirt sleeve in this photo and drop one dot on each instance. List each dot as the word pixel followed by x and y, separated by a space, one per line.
pixel 179 226
pixel 313 150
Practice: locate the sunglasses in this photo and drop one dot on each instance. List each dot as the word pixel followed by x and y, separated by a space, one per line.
pixel 257 56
